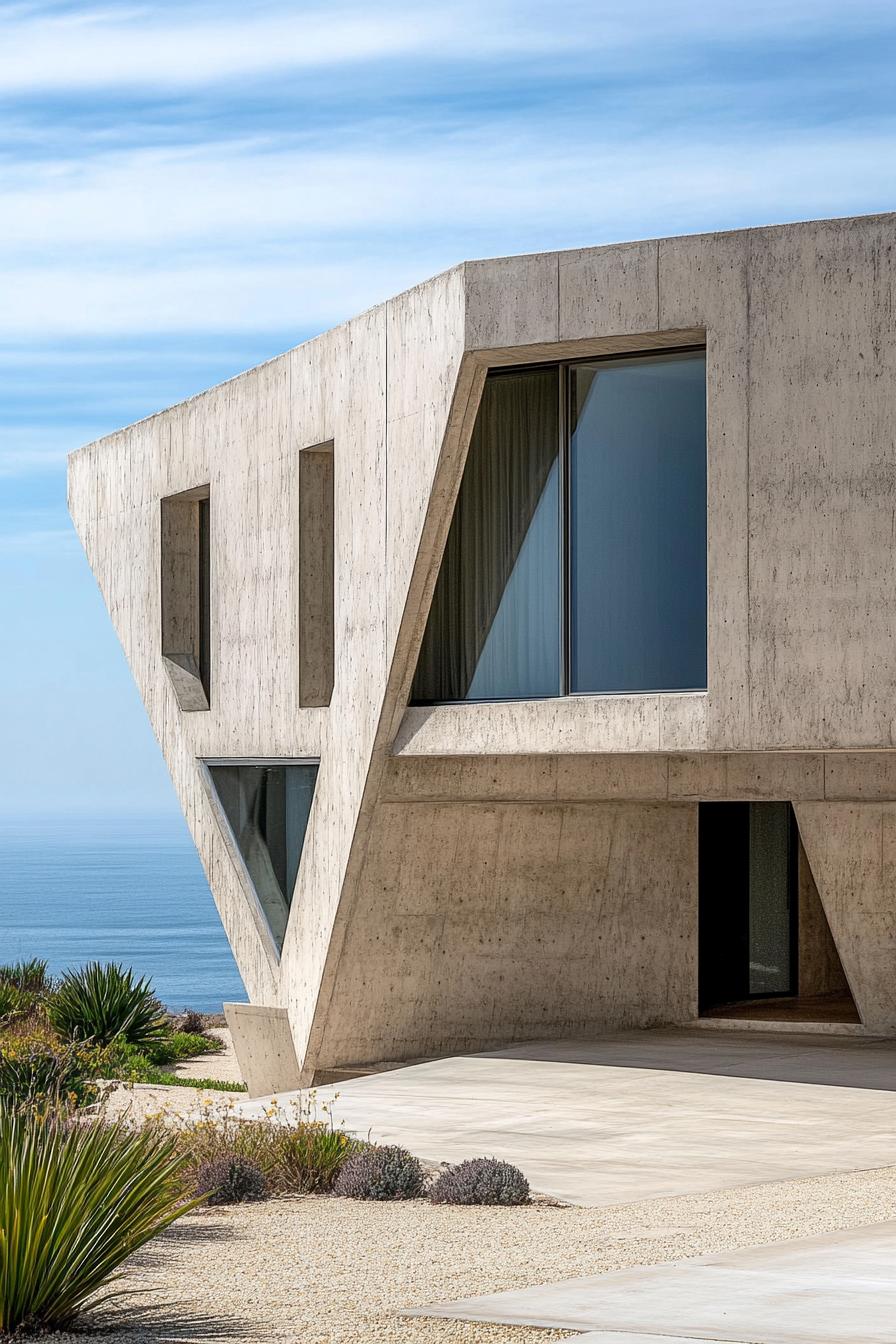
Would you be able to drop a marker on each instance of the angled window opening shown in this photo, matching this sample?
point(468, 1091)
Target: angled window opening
point(266, 805)
point(316, 525)
point(576, 558)
point(186, 596)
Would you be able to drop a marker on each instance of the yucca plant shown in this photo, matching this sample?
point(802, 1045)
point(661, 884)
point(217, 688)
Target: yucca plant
point(12, 1001)
point(31, 976)
point(76, 1199)
point(106, 1003)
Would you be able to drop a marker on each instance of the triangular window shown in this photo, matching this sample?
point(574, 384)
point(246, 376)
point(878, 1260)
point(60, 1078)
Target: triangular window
point(266, 805)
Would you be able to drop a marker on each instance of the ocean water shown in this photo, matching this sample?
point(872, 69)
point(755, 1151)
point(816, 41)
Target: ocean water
point(129, 890)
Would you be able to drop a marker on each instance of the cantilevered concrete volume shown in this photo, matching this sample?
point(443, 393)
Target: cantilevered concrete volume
point(523, 651)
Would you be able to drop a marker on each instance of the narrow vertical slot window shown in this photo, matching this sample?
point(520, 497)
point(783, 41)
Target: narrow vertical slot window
point(205, 597)
point(185, 578)
point(316, 570)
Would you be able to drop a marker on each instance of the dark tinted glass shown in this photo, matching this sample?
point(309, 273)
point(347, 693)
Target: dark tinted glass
point(749, 902)
point(770, 898)
point(638, 524)
point(267, 808)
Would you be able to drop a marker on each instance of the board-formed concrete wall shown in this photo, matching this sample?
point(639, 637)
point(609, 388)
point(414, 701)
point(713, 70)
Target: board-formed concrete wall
point(800, 330)
point(474, 921)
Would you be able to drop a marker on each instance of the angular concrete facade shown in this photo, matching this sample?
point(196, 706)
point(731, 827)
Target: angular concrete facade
point(481, 873)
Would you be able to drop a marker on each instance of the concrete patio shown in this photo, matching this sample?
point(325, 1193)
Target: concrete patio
point(834, 1289)
point(641, 1115)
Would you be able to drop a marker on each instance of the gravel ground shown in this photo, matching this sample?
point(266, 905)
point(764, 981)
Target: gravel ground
point(139, 1100)
point(328, 1271)
point(222, 1066)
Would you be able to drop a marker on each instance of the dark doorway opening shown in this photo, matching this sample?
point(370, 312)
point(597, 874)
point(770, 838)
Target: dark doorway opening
point(765, 948)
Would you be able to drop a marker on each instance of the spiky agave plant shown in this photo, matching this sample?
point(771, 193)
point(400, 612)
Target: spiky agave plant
point(76, 1199)
point(103, 1003)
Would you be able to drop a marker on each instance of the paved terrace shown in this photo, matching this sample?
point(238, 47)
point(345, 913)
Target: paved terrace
point(644, 1114)
point(834, 1289)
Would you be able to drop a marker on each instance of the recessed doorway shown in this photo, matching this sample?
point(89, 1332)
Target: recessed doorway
point(765, 949)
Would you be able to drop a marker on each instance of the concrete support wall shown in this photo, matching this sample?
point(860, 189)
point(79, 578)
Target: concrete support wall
point(264, 1048)
point(852, 850)
point(476, 924)
point(820, 968)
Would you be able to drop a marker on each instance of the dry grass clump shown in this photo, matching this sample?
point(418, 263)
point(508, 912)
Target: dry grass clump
point(298, 1149)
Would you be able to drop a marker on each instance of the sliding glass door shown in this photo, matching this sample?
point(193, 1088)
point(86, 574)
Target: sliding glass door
point(576, 557)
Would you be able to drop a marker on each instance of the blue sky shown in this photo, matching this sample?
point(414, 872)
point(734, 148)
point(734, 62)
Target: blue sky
point(186, 189)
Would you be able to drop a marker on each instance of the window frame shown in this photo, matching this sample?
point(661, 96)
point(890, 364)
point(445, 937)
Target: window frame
point(564, 395)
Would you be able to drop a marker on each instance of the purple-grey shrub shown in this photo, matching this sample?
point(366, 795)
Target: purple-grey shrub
point(381, 1173)
point(481, 1180)
point(231, 1180)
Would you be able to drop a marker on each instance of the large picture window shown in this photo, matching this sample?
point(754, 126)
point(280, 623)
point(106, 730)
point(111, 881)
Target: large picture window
point(576, 558)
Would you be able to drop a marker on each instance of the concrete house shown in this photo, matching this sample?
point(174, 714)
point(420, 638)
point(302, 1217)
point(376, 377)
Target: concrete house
point(523, 651)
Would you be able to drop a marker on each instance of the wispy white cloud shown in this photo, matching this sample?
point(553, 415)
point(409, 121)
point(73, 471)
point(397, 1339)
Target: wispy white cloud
point(31, 451)
point(82, 48)
point(38, 541)
point(247, 237)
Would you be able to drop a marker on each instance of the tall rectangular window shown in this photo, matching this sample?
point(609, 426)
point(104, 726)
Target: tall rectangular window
point(316, 591)
point(638, 524)
point(749, 902)
point(185, 575)
point(576, 557)
point(205, 597)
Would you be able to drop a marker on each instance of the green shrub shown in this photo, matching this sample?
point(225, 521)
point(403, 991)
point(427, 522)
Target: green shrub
point(38, 1070)
point(231, 1179)
point(135, 1064)
point(482, 1180)
point(105, 1003)
point(181, 1045)
point(31, 976)
point(163, 1079)
point(76, 1200)
point(13, 1001)
point(385, 1172)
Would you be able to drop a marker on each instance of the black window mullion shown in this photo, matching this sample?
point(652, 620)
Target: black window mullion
point(564, 557)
